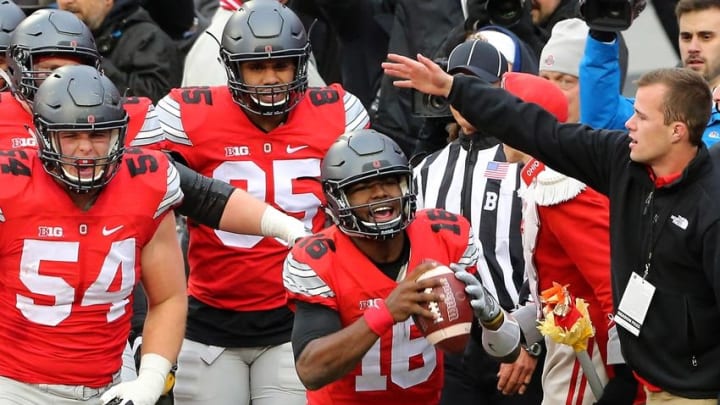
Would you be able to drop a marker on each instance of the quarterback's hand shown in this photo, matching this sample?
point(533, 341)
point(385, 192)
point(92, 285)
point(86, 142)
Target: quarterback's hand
point(146, 389)
point(484, 305)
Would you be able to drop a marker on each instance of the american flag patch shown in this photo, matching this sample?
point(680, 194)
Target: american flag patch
point(496, 170)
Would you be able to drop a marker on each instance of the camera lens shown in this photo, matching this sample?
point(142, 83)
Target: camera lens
point(436, 102)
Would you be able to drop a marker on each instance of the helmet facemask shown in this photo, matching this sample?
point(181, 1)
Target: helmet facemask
point(284, 96)
point(81, 174)
point(345, 215)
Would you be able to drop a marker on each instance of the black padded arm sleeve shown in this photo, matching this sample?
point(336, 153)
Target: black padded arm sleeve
point(312, 321)
point(205, 197)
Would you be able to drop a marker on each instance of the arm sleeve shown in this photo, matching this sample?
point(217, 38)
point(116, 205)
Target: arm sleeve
point(312, 321)
point(205, 198)
point(601, 104)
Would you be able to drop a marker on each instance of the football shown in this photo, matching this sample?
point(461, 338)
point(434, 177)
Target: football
point(450, 330)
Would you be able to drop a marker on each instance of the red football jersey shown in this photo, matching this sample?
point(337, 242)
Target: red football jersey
point(17, 127)
point(16, 124)
point(67, 275)
point(328, 269)
point(280, 167)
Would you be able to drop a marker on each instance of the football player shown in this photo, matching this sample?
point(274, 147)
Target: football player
point(46, 40)
point(82, 220)
point(354, 285)
point(264, 132)
point(10, 17)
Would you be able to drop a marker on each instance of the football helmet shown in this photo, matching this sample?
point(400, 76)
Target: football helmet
point(79, 98)
point(10, 17)
point(360, 156)
point(262, 30)
point(47, 32)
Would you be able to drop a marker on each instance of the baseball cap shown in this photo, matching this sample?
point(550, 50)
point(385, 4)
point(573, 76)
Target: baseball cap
point(478, 58)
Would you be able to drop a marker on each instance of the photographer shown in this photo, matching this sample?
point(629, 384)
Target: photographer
point(434, 134)
point(603, 104)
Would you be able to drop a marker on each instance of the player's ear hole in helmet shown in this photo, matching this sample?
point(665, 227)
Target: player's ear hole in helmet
point(261, 31)
point(47, 33)
point(73, 102)
point(360, 157)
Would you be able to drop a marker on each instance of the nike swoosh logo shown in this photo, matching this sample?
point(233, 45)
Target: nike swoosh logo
point(291, 149)
point(108, 232)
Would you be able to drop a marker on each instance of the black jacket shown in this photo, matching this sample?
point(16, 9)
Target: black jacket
point(137, 54)
point(679, 346)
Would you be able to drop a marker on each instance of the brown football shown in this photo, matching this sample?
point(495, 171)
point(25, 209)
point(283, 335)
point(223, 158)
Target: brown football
point(450, 330)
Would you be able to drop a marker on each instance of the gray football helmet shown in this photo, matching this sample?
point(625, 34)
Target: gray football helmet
point(79, 98)
point(47, 32)
point(360, 156)
point(10, 16)
point(261, 30)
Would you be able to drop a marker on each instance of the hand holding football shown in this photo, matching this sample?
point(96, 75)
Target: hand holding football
point(450, 330)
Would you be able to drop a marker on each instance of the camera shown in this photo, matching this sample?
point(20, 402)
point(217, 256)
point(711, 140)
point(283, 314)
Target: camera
point(429, 106)
point(609, 15)
point(505, 13)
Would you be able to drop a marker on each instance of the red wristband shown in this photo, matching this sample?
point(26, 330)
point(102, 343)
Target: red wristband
point(378, 318)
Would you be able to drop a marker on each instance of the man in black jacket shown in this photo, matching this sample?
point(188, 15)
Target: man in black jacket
point(664, 229)
point(137, 54)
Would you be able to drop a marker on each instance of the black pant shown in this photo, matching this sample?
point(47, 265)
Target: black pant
point(471, 379)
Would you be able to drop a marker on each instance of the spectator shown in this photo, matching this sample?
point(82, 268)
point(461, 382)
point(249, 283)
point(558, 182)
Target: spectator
point(203, 66)
point(663, 224)
point(10, 17)
point(137, 55)
point(67, 284)
point(699, 43)
point(419, 27)
point(460, 179)
point(237, 345)
point(373, 255)
point(560, 61)
point(560, 214)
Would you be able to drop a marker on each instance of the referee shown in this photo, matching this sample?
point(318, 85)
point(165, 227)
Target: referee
point(471, 177)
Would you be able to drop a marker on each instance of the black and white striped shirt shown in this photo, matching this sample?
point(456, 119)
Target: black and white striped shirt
point(464, 178)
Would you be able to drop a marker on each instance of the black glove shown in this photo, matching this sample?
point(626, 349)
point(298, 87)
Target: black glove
point(622, 389)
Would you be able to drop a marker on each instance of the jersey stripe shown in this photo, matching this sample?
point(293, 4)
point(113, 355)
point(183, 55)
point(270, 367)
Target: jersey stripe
point(355, 115)
point(173, 195)
point(168, 111)
point(299, 278)
point(491, 205)
point(151, 131)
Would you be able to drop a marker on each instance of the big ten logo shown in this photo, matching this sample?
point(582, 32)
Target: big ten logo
point(370, 303)
point(50, 232)
point(244, 150)
point(23, 142)
point(491, 200)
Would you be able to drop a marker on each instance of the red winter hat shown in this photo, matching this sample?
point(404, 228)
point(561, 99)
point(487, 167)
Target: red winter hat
point(534, 89)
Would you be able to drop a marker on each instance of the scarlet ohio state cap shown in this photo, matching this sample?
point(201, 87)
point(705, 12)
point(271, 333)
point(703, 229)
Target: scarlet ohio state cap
point(479, 58)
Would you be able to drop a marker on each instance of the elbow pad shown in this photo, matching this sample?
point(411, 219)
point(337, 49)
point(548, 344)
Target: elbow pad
point(205, 198)
point(504, 343)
